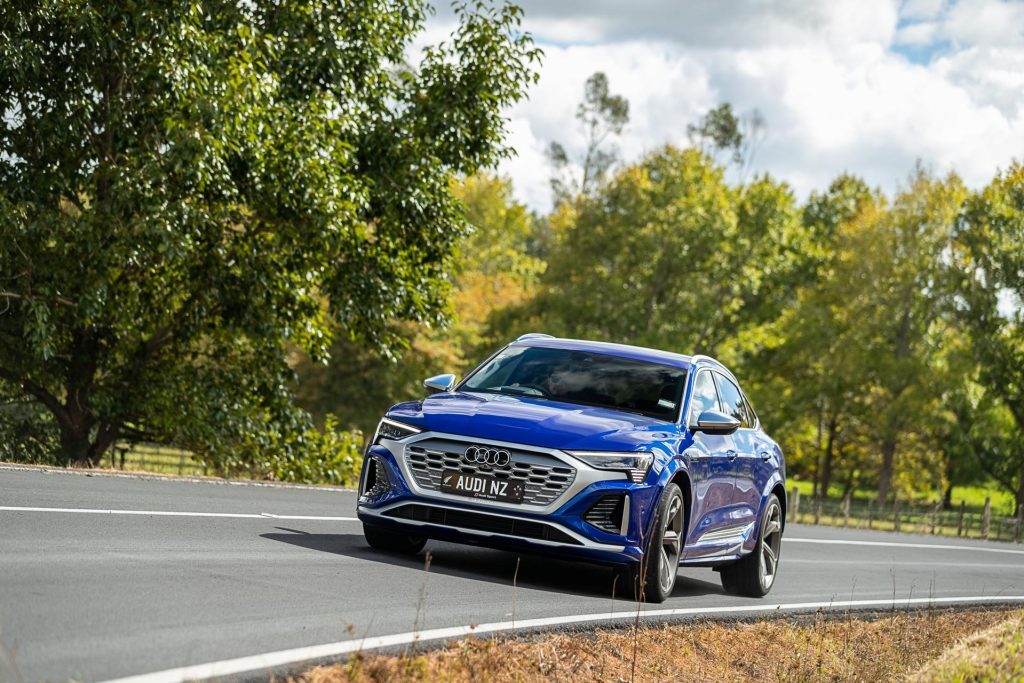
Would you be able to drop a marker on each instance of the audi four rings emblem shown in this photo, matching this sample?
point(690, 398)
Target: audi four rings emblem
point(482, 455)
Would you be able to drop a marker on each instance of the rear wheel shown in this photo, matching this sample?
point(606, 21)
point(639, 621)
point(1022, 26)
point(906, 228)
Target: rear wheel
point(653, 579)
point(754, 575)
point(393, 541)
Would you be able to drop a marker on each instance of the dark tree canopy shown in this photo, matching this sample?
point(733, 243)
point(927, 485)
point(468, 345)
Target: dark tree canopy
point(187, 188)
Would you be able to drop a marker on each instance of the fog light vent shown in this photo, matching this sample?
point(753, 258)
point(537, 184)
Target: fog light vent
point(376, 482)
point(606, 514)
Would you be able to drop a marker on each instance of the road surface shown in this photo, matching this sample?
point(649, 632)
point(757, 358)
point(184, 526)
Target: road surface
point(104, 577)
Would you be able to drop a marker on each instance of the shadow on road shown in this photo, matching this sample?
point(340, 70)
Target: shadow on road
point(483, 564)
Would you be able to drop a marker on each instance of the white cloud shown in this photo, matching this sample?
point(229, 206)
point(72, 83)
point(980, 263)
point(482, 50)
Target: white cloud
point(832, 78)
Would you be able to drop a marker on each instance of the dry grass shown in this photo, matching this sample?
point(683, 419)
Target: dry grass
point(996, 654)
point(810, 649)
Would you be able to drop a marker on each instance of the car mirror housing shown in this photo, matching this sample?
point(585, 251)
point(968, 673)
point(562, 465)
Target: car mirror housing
point(439, 383)
point(715, 422)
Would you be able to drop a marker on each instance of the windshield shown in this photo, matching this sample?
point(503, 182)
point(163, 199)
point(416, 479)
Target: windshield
point(585, 378)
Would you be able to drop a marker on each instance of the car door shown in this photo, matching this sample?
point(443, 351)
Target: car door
point(745, 466)
point(710, 471)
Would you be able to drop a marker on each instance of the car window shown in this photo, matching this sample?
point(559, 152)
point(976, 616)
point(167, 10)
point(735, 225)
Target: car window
point(751, 415)
point(583, 378)
point(705, 396)
point(732, 400)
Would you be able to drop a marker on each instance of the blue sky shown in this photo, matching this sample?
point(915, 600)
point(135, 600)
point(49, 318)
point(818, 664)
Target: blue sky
point(865, 86)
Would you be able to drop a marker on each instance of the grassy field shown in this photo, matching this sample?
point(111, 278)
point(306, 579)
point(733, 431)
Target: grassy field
point(155, 459)
point(885, 648)
point(973, 496)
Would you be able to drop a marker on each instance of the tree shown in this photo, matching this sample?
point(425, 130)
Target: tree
point(205, 185)
point(493, 272)
point(988, 270)
point(895, 265)
point(600, 115)
point(720, 130)
point(669, 255)
point(808, 357)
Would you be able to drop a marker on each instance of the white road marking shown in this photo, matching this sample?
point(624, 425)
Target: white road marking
point(280, 658)
point(172, 513)
point(894, 544)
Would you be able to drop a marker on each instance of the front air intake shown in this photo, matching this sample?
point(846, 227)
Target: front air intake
point(606, 514)
point(376, 481)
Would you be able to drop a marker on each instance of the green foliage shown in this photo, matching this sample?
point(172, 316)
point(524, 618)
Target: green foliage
point(669, 255)
point(494, 274)
point(210, 184)
point(988, 273)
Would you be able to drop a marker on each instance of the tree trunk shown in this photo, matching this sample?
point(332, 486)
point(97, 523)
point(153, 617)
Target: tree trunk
point(826, 470)
point(885, 474)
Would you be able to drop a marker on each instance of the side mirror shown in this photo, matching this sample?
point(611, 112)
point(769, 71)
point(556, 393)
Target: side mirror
point(440, 383)
point(715, 422)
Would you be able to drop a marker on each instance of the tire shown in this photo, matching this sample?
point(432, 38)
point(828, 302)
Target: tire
point(393, 541)
point(654, 577)
point(754, 575)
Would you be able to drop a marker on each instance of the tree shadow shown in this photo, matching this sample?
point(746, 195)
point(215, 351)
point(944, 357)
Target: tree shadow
point(538, 572)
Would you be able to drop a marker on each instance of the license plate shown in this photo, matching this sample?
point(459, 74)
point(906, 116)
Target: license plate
point(482, 486)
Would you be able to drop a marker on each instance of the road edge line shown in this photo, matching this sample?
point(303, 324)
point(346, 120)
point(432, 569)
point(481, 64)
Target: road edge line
point(280, 658)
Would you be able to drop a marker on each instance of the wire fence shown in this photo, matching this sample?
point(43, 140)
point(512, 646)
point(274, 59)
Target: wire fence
point(156, 459)
point(906, 516)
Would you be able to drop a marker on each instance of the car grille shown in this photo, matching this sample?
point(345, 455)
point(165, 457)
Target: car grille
point(463, 519)
point(546, 477)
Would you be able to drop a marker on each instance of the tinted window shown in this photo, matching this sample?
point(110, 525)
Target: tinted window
point(585, 378)
point(732, 400)
point(705, 396)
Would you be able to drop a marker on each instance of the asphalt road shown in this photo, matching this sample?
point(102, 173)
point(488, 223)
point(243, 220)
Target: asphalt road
point(91, 596)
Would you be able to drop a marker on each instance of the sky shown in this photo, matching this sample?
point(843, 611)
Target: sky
point(869, 87)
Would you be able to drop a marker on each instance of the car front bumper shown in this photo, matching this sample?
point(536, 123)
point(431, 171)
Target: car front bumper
point(560, 530)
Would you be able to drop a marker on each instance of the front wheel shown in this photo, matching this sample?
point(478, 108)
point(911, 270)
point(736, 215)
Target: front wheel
point(393, 541)
point(653, 579)
point(754, 575)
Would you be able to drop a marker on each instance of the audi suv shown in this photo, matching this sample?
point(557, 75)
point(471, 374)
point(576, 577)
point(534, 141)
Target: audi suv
point(640, 459)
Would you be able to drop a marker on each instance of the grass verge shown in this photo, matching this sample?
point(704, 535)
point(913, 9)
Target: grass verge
point(995, 654)
point(863, 648)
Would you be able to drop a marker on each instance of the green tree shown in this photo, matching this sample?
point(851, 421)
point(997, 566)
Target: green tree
point(493, 272)
point(669, 255)
point(807, 357)
point(988, 267)
point(187, 189)
point(601, 115)
point(721, 130)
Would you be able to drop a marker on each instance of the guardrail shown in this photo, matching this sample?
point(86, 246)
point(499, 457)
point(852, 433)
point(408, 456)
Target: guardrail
point(908, 516)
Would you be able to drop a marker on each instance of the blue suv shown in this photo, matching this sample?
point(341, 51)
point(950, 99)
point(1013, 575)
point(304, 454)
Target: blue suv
point(640, 459)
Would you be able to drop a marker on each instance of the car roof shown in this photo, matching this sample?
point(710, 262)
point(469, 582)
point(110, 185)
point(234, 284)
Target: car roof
point(642, 353)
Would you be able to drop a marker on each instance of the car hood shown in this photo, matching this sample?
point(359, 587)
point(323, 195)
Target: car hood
point(532, 421)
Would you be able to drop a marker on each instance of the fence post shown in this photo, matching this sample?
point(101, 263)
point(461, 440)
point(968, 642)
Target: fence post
point(181, 465)
point(871, 512)
point(846, 509)
point(986, 519)
point(817, 510)
point(960, 520)
point(935, 515)
point(896, 515)
point(794, 503)
point(1020, 523)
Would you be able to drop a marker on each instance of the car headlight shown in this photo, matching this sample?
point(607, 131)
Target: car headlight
point(393, 431)
point(634, 463)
